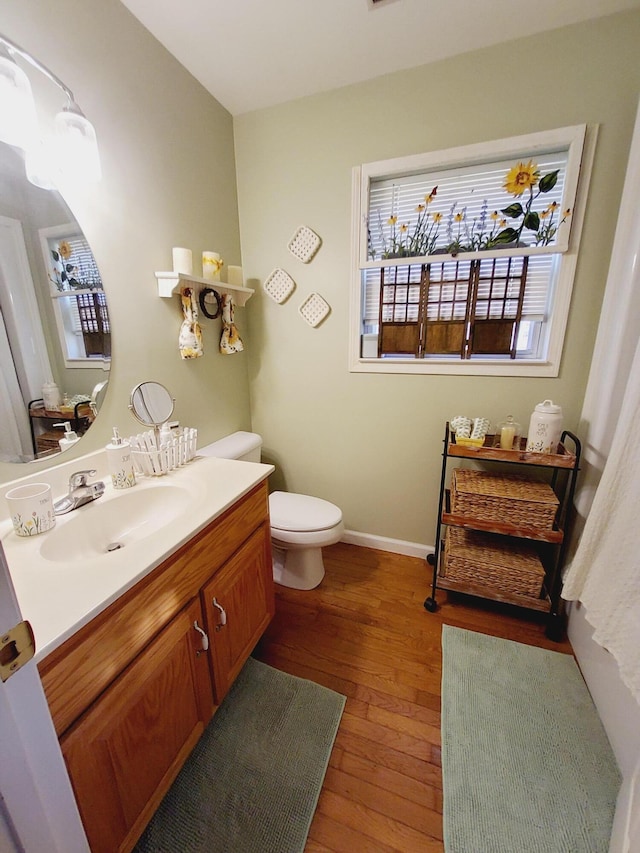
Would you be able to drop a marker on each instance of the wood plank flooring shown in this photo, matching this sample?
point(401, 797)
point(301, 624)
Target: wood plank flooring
point(365, 633)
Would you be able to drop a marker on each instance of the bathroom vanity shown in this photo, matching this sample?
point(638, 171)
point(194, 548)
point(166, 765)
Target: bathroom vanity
point(133, 681)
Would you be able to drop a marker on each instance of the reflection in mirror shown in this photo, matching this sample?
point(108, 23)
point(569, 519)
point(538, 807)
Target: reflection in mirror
point(151, 404)
point(53, 315)
point(97, 396)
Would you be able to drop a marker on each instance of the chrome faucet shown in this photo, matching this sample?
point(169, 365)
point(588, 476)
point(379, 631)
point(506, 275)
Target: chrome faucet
point(80, 492)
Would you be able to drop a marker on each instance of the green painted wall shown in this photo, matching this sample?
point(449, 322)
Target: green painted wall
point(372, 443)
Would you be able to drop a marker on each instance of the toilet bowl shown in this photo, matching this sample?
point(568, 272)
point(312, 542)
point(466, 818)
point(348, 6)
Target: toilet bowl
point(301, 525)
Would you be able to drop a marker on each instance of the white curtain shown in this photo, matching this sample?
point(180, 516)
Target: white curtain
point(605, 571)
point(15, 434)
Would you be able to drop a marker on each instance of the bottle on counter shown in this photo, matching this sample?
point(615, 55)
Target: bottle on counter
point(120, 462)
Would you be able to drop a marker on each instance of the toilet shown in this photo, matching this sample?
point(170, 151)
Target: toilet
point(301, 525)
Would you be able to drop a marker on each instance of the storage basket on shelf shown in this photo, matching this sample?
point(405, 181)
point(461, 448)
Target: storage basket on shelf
point(500, 497)
point(491, 560)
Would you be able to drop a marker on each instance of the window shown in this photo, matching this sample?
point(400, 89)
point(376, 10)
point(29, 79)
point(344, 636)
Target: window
point(464, 259)
point(79, 302)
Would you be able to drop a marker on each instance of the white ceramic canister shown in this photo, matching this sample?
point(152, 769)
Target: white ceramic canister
point(545, 428)
point(51, 396)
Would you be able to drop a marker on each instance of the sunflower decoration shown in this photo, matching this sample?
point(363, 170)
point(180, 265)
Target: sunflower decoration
point(520, 178)
point(64, 271)
point(524, 182)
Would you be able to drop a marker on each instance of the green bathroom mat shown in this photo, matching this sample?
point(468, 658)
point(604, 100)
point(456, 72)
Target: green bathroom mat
point(526, 763)
point(252, 783)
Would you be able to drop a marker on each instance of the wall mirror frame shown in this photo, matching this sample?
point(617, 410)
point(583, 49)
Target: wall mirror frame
point(53, 314)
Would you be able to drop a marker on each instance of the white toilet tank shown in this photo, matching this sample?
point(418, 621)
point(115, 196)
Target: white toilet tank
point(244, 446)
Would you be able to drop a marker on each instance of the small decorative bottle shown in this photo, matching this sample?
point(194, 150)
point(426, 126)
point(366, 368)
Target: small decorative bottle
point(120, 462)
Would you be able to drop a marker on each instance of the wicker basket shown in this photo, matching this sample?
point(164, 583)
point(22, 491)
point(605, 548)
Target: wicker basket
point(503, 498)
point(490, 560)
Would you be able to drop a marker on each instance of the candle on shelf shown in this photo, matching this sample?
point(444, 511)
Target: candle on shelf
point(211, 265)
point(234, 276)
point(509, 433)
point(182, 260)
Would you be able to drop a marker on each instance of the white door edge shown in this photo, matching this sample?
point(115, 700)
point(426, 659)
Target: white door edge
point(34, 783)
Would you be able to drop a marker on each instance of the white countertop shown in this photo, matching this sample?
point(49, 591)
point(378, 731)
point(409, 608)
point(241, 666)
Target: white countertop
point(58, 596)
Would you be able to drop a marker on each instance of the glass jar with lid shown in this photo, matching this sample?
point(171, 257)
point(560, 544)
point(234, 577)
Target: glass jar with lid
point(508, 434)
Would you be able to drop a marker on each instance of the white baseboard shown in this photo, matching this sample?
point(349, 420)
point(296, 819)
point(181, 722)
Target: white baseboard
point(383, 543)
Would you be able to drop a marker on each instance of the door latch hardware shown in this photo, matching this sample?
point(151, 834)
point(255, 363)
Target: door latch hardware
point(17, 647)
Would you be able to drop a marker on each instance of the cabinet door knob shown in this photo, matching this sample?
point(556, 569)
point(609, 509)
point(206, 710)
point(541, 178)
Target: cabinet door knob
point(223, 615)
point(205, 639)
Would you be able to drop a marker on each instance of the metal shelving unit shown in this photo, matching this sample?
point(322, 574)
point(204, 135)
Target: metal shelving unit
point(562, 468)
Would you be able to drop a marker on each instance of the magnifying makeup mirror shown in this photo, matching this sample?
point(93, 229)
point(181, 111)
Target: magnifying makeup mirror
point(151, 404)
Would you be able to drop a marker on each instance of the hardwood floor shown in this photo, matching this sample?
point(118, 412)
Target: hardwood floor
point(365, 633)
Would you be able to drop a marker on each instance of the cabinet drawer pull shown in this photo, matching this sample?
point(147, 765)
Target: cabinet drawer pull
point(223, 615)
point(205, 639)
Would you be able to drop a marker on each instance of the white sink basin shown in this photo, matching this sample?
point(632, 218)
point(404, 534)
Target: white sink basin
point(104, 527)
point(66, 576)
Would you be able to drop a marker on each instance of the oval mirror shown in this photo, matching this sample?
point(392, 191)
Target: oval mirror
point(151, 403)
point(54, 321)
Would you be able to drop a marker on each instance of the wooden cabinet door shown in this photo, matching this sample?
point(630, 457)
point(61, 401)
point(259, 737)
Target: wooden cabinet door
point(126, 750)
point(239, 604)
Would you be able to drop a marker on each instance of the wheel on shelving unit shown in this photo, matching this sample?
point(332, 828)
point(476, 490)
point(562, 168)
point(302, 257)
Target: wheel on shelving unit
point(431, 559)
point(431, 605)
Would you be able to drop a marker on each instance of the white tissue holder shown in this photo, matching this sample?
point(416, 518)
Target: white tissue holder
point(154, 461)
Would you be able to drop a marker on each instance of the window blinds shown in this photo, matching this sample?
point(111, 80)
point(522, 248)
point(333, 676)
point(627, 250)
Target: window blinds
point(472, 193)
point(465, 199)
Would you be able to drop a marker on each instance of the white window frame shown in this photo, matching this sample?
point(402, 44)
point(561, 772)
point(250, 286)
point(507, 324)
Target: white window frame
point(580, 140)
point(67, 345)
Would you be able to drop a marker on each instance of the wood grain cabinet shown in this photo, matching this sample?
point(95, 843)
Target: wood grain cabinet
point(132, 691)
point(128, 747)
point(238, 604)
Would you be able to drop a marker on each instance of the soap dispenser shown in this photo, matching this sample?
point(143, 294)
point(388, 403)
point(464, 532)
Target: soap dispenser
point(69, 438)
point(120, 462)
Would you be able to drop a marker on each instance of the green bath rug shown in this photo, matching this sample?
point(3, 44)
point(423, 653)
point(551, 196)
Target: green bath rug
point(526, 763)
point(252, 783)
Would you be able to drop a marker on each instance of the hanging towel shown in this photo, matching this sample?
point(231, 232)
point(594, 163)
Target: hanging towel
point(605, 571)
point(230, 340)
point(190, 338)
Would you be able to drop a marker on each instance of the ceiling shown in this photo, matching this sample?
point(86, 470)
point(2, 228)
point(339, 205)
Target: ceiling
point(251, 54)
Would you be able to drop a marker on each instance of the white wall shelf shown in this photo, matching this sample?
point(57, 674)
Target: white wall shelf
point(170, 283)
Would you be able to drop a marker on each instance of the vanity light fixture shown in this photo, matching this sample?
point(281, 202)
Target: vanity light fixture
point(73, 151)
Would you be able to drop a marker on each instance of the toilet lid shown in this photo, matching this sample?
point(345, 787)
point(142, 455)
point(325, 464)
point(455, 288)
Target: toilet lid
point(289, 511)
